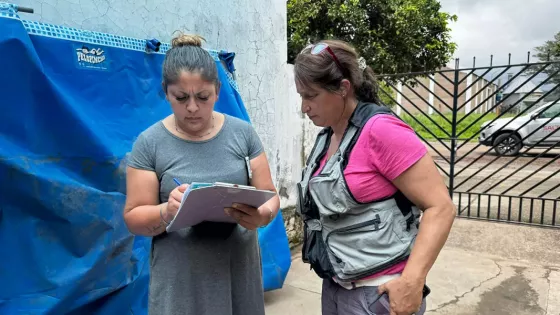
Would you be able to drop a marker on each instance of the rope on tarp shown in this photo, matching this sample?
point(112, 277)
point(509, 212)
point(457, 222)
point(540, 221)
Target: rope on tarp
point(24, 9)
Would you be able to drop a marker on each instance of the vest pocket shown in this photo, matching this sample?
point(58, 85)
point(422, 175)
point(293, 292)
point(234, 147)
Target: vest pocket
point(316, 254)
point(368, 247)
point(326, 192)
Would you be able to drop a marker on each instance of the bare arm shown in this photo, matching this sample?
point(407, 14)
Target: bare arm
point(253, 218)
point(142, 208)
point(262, 179)
point(424, 186)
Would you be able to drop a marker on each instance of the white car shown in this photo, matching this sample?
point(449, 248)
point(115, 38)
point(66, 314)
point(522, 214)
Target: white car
point(509, 135)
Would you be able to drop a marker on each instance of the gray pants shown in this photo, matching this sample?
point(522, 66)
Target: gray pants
point(336, 300)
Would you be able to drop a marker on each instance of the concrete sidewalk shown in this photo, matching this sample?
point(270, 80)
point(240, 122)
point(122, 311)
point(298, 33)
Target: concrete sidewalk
point(462, 281)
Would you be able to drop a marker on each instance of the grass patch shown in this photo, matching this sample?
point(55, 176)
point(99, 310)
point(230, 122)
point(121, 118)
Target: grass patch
point(467, 127)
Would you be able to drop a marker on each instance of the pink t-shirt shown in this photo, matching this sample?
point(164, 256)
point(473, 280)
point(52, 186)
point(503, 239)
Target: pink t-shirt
point(385, 149)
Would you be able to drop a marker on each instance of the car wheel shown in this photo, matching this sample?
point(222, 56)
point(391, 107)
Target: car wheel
point(508, 144)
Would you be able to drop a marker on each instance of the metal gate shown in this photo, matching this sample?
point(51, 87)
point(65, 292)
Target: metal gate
point(494, 133)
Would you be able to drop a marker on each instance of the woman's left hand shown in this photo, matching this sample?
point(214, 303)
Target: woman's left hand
point(405, 295)
point(249, 217)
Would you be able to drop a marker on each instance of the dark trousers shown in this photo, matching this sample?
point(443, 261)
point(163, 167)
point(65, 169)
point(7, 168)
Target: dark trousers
point(336, 300)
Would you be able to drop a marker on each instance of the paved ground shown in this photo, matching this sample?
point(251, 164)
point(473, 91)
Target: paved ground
point(486, 268)
point(472, 158)
point(461, 282)
point(533, 174)
point(490, 273)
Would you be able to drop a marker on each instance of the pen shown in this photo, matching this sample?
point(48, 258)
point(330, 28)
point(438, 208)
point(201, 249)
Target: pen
point(177, 181)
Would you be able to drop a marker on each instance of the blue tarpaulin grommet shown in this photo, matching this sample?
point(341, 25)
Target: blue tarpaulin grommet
point(152, 45)
point(227, 57)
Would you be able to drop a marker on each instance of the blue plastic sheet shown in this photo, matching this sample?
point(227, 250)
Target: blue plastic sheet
point(72, 103)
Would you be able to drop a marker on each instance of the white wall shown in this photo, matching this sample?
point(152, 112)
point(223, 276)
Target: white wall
point(255, 30)
point(297, 137)
point(289, 134)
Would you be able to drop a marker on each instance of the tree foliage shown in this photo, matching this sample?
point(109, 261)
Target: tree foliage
point(550, 51)
point(394, 36)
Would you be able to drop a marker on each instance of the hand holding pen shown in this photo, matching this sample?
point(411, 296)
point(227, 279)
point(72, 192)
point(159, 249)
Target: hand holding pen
point(174, 201)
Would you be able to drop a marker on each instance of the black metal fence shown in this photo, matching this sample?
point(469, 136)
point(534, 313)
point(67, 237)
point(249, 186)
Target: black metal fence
point(494, 133)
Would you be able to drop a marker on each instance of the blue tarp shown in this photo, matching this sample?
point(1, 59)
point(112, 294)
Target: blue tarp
point(71, 104)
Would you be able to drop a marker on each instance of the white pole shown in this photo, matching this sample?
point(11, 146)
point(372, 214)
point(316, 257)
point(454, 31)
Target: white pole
point(399, 98)
point(431, 95)
point(468, 95)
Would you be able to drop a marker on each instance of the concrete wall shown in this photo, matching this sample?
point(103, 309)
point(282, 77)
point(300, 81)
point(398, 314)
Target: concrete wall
point(296, 141)
point(255, 30)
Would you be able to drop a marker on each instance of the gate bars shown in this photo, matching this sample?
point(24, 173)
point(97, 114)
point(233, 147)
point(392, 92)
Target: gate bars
point(488, 180)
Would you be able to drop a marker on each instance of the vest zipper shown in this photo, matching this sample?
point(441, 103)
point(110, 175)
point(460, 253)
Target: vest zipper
point(402, 257)
point(375, 221)
point(399, 258)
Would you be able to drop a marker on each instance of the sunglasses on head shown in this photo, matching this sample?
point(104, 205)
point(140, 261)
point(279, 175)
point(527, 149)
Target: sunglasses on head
point(319, 48)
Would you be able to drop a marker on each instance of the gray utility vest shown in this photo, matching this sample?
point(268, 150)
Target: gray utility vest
point(343, 238)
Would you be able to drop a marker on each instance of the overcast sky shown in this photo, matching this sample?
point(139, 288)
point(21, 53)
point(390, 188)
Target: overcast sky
point(500, 27)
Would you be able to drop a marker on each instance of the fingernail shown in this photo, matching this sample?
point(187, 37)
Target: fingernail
point(235, 205)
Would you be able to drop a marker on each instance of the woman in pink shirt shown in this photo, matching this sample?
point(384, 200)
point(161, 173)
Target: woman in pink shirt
point(385, 165)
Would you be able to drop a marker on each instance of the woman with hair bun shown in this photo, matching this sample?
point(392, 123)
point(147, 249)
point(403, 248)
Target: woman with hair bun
point(364, 187)
point(211, 268)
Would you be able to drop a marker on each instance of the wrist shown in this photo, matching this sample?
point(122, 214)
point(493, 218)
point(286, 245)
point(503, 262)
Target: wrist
point(268, 216)
point(165, 214)
point(414, 276)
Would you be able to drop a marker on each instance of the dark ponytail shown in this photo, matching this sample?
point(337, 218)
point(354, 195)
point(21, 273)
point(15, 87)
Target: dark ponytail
point(368, 91)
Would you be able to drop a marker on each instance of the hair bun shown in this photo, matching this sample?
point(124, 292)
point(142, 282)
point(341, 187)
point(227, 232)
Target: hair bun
point(187, 40)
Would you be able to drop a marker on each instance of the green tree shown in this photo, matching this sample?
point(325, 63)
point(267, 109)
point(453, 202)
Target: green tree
point(394, 36)
point(550, 51)
point(389, 96)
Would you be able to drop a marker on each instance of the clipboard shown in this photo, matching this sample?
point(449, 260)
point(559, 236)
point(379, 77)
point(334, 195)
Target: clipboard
point(206, 202)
